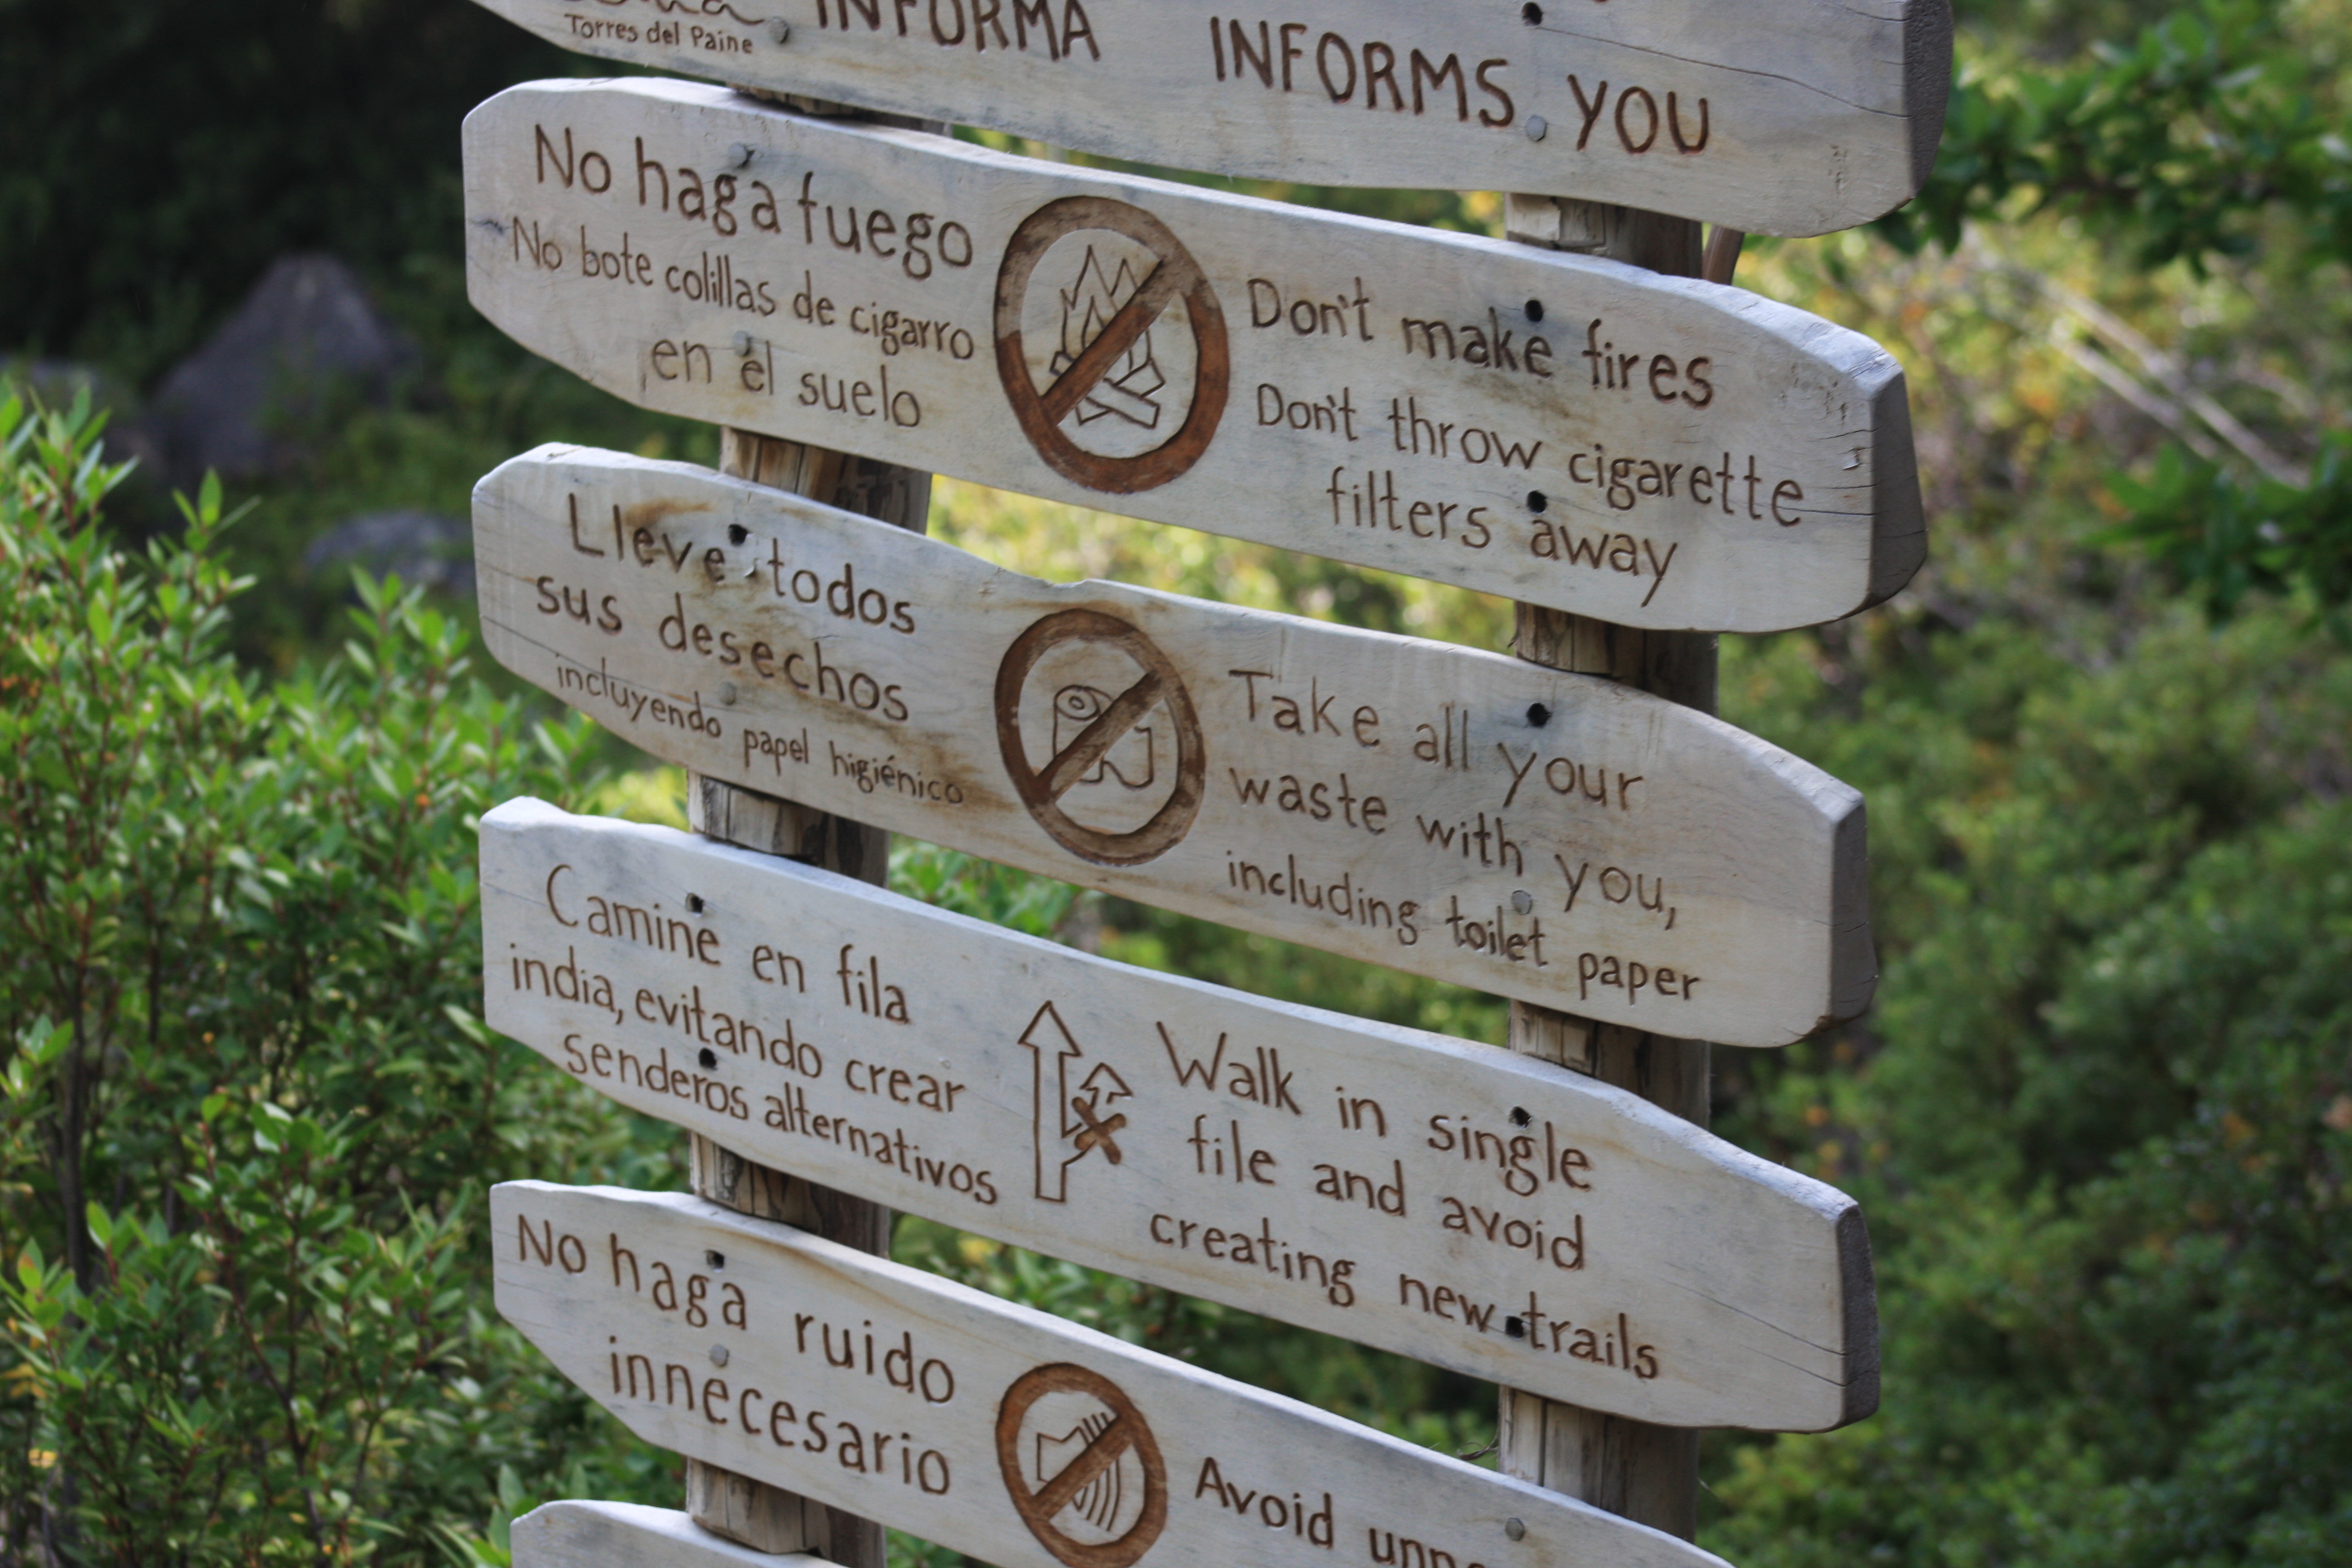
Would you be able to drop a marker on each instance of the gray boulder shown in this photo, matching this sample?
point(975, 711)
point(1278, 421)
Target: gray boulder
point(60, 381)
point(57, 382)
point(437, 552)
point(239, 405)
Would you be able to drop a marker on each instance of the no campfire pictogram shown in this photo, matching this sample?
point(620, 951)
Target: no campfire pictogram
point(1104, 366)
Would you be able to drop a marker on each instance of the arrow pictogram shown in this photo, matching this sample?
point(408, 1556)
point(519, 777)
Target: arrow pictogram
point(1059, 1117)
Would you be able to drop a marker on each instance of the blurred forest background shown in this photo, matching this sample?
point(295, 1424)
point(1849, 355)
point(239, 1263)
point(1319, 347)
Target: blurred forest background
point(2100, 1119)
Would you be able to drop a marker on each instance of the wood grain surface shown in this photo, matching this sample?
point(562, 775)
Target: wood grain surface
point(990, 1428)
point(631, 1535)
point(1776, 116)
point(1444, 811)
point(1508, 1218)
point(741, 1509)
point(1633, 1469)
point(1654, 451)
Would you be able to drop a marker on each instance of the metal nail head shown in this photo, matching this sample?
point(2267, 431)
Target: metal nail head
point(727, 695)
point(718, 1355)
point(1522, 901)
point(1515, 1530)
point(781, 32)
point(742, 346)
point(1537, 129)
point(738, 154)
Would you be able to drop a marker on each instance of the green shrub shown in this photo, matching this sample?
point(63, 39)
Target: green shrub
point(248, 1109)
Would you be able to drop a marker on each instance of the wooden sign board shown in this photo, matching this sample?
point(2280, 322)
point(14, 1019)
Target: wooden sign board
point(1492, 1213)
point(992, 1429)
point(1451, 813)
point(1652, 451)
point(1788, 117)
point(631, 1535)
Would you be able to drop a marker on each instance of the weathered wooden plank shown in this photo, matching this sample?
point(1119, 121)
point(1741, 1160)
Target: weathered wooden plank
point(1448, 812)
point(1327, 1170)
point(630, 1535)
point(988, 1427)
point(1656, 451)
point(1788, 117)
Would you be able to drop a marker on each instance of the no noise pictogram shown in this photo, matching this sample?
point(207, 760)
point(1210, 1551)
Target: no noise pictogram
point(1082, 1467)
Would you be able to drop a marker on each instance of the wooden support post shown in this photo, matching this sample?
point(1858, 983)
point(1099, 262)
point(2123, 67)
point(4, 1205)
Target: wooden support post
point(1645, 1473)
point(757, 1515)
point(767, 1518)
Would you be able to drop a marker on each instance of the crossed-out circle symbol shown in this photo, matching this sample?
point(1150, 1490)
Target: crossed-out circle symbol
point(1174, 274)
point(1125, 1431)
point(1042, 789)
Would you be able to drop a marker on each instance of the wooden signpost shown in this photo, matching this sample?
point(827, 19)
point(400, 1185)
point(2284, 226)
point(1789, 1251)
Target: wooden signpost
point(990, 1428)
point(1792, 117)
point(1500, 1217)
point(1654, 451)
point(1446, 811)
point(1637, 457)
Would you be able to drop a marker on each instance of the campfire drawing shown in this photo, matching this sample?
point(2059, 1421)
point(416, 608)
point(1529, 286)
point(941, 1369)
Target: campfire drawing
point(1129, 391)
